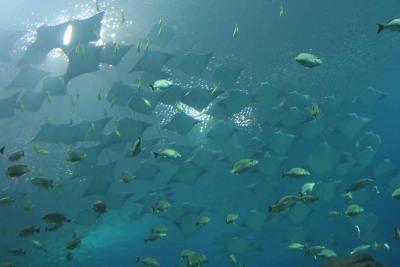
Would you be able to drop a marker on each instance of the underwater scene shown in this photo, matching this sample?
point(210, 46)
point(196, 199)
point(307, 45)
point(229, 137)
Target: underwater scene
point(199, 133)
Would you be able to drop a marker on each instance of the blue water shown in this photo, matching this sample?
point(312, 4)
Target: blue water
point(342, 33)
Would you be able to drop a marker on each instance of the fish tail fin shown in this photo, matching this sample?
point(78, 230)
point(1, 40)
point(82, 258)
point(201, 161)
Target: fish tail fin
point(156, 155)
point(2, 150)
point(380, 28)
point(151, 87)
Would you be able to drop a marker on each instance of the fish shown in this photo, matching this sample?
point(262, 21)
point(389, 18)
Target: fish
point(314, 250)
point(161, 206)
point(116, 49)
point(42, 182)
point(40, 150)
point(353, 210)
point(308, 60)
point(360, 260)
point(232, 259)
point(314, 110)
point(136, 147)
point(167, 153)
point(138, 48)
point(53, 227)
point(39, 245)
point(69, 256)
point(148, 261)
point(75, 156)
point(283, 204)
point(16, 155)
point(157, 232)
point(296, 246)
point(193, 258)
point(396, 194)
point(235, 31)
point(55, 218)
point(17, 252)
point(99, 207)
point(396, 233)
point(309, 199)
point(160, 85)
point(28, 231)
point(203, 220)
point(296, 173)
point(360, 248)
point(307, 188)
point(123, 19)
point(6, 201)
point(281, 10)
point(2, 149)
point(243, 165)
point(326, 253)
point(393, 25)
point(231, 218)
point(73, 243)
point(126, 177)
point(26, 205)
point(17, 171)
point(359, 184)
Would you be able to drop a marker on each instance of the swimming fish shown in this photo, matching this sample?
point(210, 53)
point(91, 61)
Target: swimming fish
point(393, 25)
point(17, 170)
point(296, 173)
point(281, 10)
point(99, 207)
point(235, 31)
point(308, 60)
point(243, 165)
point(28, 231)
point(16, 155)
point(167, 153)
point(37, 244)
point(160, 85)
